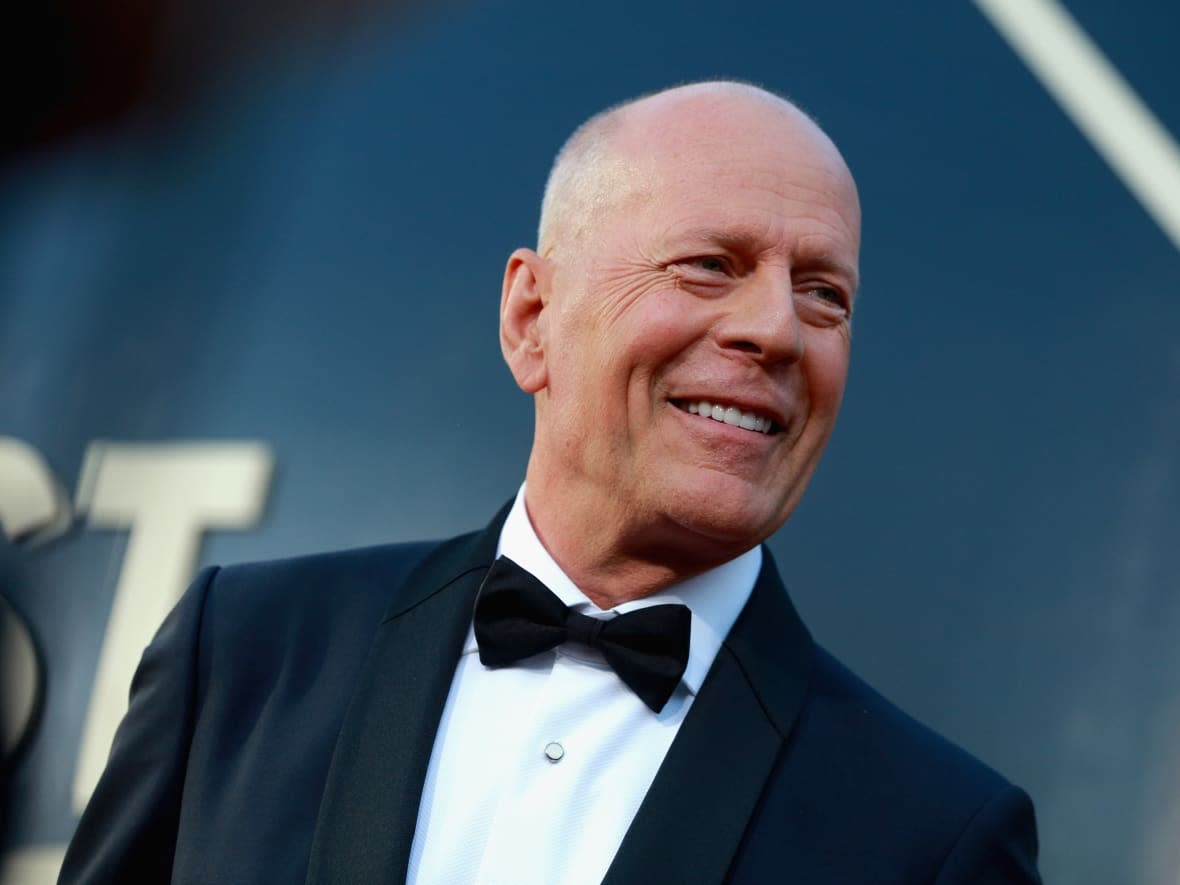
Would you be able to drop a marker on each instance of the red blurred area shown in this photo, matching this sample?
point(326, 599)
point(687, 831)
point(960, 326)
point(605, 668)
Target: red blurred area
point(79, 65)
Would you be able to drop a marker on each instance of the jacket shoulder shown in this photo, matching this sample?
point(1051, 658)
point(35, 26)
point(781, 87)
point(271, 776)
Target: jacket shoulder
point(897, 746)
point(378, 570)
point(285, 622)
point(871, 794)
point(318, 591)
point(280, 647)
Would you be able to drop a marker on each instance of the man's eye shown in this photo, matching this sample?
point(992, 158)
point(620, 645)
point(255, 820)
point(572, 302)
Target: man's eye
point(830, 294)
point(710, 263)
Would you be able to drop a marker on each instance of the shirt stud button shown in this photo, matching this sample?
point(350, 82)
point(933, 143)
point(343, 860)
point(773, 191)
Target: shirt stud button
point(554, 751)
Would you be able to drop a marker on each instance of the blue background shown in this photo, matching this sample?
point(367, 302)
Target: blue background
point(310, 256)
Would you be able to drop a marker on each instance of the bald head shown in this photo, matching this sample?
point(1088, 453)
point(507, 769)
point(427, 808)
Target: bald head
point(600, 165)
point(684, 332)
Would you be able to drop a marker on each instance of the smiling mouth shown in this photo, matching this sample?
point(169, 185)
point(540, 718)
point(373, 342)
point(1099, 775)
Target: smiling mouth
point(730, 415)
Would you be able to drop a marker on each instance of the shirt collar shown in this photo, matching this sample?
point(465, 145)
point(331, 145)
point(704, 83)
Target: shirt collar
point(716, 597)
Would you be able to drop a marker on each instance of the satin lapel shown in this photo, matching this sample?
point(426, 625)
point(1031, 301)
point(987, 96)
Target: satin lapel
point(691, 822)
point(370, 803)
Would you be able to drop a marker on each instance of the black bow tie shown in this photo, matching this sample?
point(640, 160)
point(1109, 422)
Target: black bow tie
point(517, 616)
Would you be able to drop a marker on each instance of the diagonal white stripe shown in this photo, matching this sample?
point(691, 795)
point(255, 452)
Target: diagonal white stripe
point(1098, 100)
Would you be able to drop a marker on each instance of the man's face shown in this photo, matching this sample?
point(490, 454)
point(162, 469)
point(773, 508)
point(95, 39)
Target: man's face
point(723, 281)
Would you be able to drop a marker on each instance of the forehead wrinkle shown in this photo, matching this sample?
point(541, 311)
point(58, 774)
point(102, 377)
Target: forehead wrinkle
point(820, 194)
point(761, 236)
point(743, 236)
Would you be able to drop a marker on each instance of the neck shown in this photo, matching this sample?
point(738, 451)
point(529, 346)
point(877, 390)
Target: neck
point(611, 560)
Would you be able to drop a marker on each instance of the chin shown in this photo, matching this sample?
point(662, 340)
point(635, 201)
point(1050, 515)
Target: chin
point(728, 524)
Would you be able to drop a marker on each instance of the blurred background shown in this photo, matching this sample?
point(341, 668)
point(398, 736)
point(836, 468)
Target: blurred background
point(250, 260)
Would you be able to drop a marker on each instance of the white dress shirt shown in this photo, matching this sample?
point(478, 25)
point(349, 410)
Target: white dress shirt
point(539, 768)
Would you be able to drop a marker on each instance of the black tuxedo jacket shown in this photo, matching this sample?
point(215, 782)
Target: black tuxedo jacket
point(282, 720)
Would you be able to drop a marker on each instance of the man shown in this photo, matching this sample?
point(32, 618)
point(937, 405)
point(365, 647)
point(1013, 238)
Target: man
point(684, 329)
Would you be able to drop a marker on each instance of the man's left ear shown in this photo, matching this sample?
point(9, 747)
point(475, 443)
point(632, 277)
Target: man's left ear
point(523, 298)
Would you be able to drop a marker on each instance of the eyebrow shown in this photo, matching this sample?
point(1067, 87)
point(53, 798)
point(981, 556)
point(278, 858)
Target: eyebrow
point(745, 238)
point(830, 264)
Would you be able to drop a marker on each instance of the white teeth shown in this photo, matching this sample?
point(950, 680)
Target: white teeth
point(731, 415)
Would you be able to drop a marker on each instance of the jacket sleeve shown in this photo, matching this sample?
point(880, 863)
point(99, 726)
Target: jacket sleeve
point(128, 831)
point(997, 847)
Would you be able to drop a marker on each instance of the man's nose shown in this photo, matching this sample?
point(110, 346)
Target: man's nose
point(761, 319)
